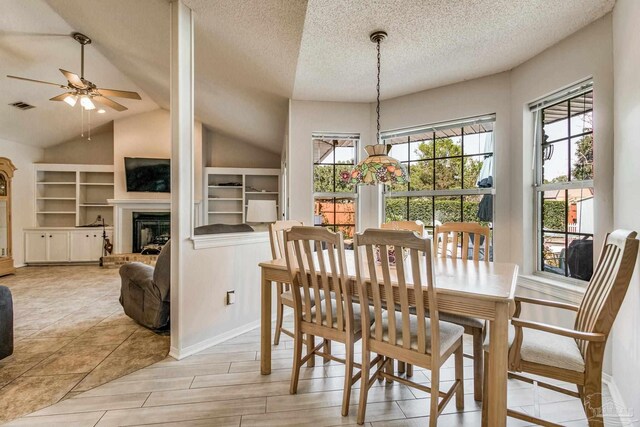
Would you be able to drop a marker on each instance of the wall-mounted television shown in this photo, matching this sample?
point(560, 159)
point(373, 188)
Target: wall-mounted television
point(148, 175)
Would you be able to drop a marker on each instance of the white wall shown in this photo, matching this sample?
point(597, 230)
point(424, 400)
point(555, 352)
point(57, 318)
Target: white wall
point(149, 135)
point(583, 54)
point(224, 151)
point(625, 341)
point(461, 100)
point(98, 151)
point(307, 117)
point(22, 208)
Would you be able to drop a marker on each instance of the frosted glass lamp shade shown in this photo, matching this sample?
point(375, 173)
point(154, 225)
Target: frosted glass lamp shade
point(262, 211)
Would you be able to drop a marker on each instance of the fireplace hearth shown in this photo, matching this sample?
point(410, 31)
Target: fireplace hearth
point(151, 230)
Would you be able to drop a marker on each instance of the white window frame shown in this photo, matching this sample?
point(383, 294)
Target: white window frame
point(338, 194)
point(488, 118)
point(536, 107)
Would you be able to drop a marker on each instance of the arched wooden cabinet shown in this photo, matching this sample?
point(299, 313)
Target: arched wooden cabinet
point(6, 258)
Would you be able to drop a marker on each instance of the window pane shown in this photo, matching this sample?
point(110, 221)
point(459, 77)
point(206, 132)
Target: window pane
point(554, 215)
point(421, 174)
point(555, 123)
point(395, 209)
point(448, 174)
point(448, 147)
point(324, 212)
point(323, 178)
point(582, 158)
point(345, 153)
point(553, 253)
point(400, 152)
point(472, 167)
point(478, 139)
point(555, 162)
point(421, 150)
point(582, 114)
point(580, 257)
point(448, 209)
point(322, 151)
point(421, 209)
point(580, 216)
point(478, 209)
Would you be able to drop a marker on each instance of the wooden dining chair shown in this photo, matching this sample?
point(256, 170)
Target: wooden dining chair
point(448, 238)
point(316, 263)
point(416, 226)
point(397, 333)
point(575, 355)
point(283, 292)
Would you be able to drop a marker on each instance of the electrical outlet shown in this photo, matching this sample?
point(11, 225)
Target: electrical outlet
point(231, 297)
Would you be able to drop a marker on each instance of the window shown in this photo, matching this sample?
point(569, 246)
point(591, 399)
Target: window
point(450, 168)
point(334, 156)
point(564, 183)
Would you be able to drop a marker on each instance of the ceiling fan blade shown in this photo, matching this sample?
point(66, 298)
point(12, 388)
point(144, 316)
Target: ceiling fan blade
point(74, 79)
point(37, 81)
point(109, 103)
point(119, 93)
point(60, 97)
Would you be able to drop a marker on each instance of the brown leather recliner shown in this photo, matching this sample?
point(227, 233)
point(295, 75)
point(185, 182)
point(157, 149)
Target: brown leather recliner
point(145, 291)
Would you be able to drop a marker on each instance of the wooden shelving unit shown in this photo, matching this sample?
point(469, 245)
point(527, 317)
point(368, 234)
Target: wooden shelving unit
point(227, 204)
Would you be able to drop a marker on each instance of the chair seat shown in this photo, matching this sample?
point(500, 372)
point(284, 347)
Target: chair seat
point(357, 323)
point(546, 348)
point(287, 298)
point(449, 332)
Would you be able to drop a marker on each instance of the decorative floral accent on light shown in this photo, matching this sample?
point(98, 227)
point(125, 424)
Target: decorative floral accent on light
point(379, 168)
point(345, 176)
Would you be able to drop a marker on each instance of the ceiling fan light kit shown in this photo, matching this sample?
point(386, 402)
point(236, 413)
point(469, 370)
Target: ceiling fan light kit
point(78, 88)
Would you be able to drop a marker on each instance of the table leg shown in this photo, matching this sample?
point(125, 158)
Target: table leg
point(497, 378)
point(265, 325)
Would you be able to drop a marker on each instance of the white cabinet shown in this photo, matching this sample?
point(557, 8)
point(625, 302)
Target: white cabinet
point(64, 245)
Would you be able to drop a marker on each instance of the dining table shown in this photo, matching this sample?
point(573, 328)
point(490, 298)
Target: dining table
point(479, 289)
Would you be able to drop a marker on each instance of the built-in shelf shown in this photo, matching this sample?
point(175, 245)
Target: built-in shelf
point(224, 213)
point(226, 198)
point(106, 184)
point(56, 198)
point(57, 213)
point(93, 205)
point(260, 192)
point(235, 187)
point(56, 183)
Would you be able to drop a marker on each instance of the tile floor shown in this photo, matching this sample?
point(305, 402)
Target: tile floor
point(71, 335)
point(222, 386)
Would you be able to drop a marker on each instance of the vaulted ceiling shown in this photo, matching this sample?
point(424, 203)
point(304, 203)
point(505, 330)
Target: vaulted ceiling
point(253, 55)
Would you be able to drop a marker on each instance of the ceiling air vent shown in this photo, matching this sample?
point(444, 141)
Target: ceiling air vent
point(22, 105)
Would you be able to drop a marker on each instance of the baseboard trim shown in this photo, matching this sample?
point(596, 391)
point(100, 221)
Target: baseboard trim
point(203, 345)
point(625, 416)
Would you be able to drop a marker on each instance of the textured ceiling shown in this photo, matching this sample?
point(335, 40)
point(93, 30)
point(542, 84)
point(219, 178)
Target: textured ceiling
point(245, 56)
point(431, 43)
point(34, 43)
point(253, 55)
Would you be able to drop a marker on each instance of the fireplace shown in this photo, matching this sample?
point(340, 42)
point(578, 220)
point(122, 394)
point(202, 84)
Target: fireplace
point(151, 230)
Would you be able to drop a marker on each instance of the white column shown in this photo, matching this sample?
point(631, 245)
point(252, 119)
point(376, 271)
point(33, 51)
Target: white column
point(182, 166)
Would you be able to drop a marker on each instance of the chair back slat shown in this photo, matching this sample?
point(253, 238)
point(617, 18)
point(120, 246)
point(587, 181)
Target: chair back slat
point(608, 285)
point(320, 272)
point(276, 236)
point(464, 231)
point(416, 267)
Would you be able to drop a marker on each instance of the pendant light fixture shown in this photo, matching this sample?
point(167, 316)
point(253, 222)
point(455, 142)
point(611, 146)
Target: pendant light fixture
point(379, 167)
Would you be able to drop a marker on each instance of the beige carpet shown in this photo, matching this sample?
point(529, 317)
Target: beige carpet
point(71, 335)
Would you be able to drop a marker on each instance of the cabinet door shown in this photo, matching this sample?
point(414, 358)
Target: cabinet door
point(58, 246)
point(80, 245)
point(35, 245)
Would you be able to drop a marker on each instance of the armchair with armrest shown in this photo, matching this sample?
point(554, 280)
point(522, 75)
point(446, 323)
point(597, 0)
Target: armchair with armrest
point(145, 291)
point(574, 355)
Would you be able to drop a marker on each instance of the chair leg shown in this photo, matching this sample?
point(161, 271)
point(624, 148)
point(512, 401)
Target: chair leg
point(327, 349)
point(459, 361)
point(348, 375)
point(435, 396)
point(402, 367)
point(279, 314)
point(297, 358)
point(364, 389)
point(311, 343)
point(478, 365)
point(380, 362)
point(409, 370)
point(485, 390)
point(592, 402)
point(390, 369)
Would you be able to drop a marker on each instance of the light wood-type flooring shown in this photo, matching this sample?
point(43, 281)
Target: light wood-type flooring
point(70, 335)
point(222, 386)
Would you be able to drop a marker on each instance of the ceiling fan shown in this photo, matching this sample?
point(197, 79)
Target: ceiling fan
point(80, 89)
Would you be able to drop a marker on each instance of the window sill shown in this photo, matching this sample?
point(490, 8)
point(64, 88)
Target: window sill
point(569, 292)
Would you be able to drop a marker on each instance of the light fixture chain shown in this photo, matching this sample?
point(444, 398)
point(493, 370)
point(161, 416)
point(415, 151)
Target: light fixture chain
point(378, 96)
